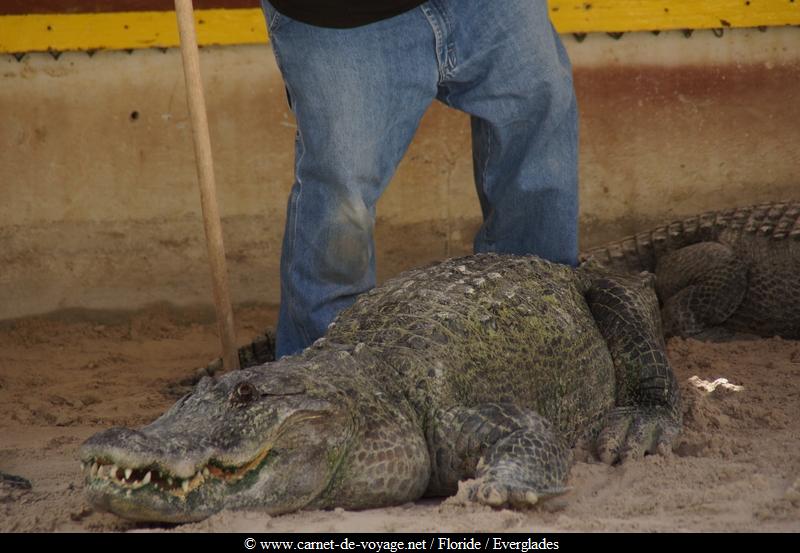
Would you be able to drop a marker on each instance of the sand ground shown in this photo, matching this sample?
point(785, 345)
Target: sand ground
point(736, 467)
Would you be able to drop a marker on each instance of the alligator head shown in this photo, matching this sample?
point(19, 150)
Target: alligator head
point(269, 437)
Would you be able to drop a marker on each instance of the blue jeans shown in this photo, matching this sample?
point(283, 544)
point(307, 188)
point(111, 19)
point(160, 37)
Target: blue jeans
point(358, 96)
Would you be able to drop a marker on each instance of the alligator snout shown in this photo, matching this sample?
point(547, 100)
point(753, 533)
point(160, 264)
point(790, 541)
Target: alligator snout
point(117, 437)
point(134, 449)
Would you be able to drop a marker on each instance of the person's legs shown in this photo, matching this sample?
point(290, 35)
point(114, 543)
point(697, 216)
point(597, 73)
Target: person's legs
point(504, 64)
point(358, 95)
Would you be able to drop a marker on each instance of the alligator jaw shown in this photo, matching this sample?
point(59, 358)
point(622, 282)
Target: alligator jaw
point(127, 478)
point(116, 488)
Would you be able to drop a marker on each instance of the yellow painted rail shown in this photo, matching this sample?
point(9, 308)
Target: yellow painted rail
point(125, 30)
point(570, 16)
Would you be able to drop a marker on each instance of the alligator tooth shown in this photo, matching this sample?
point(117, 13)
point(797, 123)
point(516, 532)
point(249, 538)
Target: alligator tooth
point(185, 486)
point(113, 472)
point(146, 479)
point(83, 467)
point(205, 472)
point(169, 481)
point(94, 470)
point(101, 471)
point(128, 473)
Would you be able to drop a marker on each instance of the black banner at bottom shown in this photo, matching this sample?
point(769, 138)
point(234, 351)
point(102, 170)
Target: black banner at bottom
point(385, 542)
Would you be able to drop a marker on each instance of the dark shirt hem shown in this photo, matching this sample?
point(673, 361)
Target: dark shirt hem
point(343, 15)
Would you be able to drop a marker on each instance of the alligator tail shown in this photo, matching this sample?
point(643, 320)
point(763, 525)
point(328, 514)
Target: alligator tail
point(640, 252)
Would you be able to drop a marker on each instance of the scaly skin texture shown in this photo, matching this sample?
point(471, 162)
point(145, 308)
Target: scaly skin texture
point(480, 372)
point(735, 269)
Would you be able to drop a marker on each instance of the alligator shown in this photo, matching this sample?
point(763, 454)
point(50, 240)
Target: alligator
point(734, 270)
point(477, 376)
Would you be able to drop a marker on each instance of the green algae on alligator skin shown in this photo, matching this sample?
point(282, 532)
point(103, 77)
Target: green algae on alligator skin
point(480, 373)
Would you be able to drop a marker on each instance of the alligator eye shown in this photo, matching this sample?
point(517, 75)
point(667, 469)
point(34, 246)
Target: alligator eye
point(244, 393)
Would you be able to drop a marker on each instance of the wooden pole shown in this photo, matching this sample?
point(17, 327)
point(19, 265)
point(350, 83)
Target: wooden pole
point(205, 175)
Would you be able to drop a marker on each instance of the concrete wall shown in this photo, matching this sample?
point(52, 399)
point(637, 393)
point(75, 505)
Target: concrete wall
point(99, 208)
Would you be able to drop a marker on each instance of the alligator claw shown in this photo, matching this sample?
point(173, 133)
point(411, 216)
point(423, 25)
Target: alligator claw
point(496, 494)
point(633, 432)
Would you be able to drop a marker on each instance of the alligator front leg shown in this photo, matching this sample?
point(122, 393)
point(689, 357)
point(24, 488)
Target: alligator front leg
point(648, 414)
point(501, 453)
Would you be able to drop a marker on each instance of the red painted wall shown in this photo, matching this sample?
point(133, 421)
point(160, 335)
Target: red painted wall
point(16, 7)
